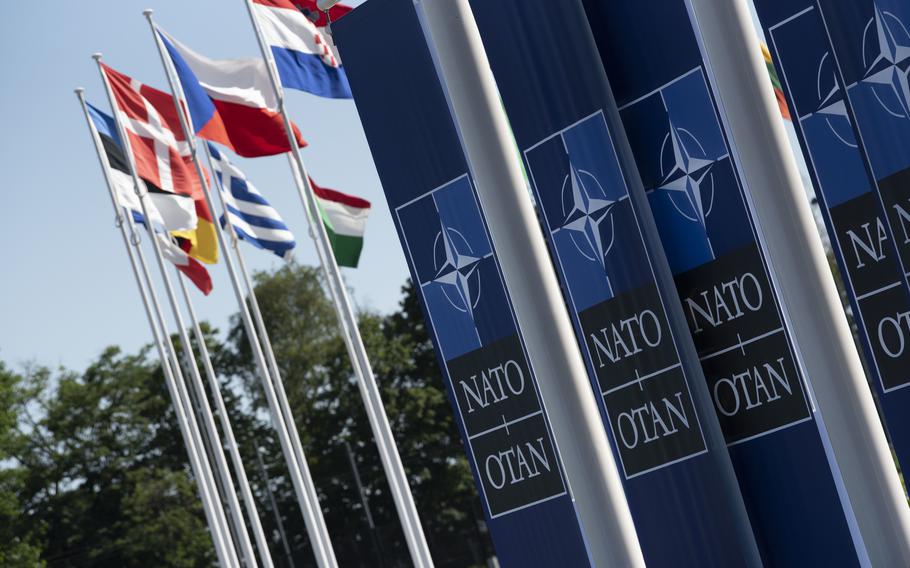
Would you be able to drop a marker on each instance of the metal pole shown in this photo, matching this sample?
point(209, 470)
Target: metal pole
point(143, 200)
point(268, 489)
point(274, 372)
point(325, 555)
point(217, 448)
point(233, 449)
point(528, 271)
point(820, 329)
point(365, 503)
point(388, 451)
point(169, 364)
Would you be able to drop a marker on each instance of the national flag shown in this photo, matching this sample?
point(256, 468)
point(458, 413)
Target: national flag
point(345, 219)
point(253, 219)
point(177, 253)
point(306, 58)
point(311, 10)
point(230, 101)
point(162, 153)
point(172, 211)
point(775, 82)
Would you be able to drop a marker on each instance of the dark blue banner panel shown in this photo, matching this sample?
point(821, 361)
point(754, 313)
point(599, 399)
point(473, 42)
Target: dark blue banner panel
point(441, 225)
point(660, 82)
point(559, 106)
point(844, 70)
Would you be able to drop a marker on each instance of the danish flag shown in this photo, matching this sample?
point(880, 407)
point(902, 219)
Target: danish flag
point(161, 152)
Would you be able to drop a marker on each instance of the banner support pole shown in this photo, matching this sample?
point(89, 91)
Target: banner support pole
point(553, 350)
point(820, 329)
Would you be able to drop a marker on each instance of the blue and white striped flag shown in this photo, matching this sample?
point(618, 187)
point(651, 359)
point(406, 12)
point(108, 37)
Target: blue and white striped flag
point(254, 220)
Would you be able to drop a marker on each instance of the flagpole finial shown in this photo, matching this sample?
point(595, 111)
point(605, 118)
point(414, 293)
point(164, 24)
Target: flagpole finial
point(79, 91)
point(148, 12)
point(96, 56)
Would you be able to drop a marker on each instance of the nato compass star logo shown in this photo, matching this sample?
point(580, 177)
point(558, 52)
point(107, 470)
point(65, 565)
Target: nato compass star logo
point(687, 178)
point(588, 215)
point(886, 57)
point(831, 104)
point(456, 269)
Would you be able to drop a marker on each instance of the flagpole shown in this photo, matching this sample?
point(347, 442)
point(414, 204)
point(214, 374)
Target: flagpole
point(233, 449)
point(268, 489)
point(388, 451)
point(157, 327)
point(322, 549)
point(821, 331)
point(266, 344)
point(232, 559)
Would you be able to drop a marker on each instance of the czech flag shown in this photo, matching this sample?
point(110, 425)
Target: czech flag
point(230, 101)
point(306, 58)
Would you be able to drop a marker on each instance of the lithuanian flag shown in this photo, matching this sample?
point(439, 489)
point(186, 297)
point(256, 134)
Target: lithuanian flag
point(778, 91)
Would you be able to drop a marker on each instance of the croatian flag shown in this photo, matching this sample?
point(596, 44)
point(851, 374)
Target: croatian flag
point(230, 101)
point(311, 9)
point(306, 58)
point(253, 219)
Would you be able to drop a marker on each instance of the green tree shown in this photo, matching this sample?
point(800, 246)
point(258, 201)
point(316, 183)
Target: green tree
point(18, 542)
point(328, 409)
point(106, 471)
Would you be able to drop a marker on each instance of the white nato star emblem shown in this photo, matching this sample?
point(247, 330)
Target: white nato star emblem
point(585, 216)
point(687, 176)
point(456, 269)
point(891, 66)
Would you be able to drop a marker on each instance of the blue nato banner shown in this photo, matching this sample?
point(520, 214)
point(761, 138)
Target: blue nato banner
point(660, 82)
point(844, 70)
point(558, 104)
point(493, 390)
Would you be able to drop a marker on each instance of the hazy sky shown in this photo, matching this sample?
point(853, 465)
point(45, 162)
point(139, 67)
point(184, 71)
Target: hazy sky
point(67, 290)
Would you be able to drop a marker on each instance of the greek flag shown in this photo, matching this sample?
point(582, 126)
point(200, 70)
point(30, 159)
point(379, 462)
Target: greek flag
point(254, 220)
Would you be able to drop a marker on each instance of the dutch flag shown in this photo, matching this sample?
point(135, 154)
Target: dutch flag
point(253, 219)
point(306, 58)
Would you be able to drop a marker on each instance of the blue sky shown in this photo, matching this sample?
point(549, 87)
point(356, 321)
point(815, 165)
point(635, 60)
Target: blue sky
point(67, 290)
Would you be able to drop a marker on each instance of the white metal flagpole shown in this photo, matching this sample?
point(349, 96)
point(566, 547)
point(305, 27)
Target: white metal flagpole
point(231, 559)
point(266, 344)
point(388, 450)
point(299, 472)
point(820, 328)
point(233, 450)
point(489, 147)
point(168, 363)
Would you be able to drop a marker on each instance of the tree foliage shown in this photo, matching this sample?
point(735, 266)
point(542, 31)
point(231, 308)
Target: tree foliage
point(93, 471)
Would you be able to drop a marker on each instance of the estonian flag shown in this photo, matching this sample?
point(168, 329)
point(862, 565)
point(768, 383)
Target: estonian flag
point(171, 211)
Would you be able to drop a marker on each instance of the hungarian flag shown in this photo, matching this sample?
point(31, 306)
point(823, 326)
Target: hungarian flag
point(775, 81)
point(230, 101)
point(162, 153)
point(175, 251)
point(306, 58)
point(345, 220)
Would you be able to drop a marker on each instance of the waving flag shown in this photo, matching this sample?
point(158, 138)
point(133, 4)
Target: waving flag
point(306, 59)
point(172, 211)
point(162, 153)
point(176, 253)
point(253, 219)
point(775, 82)
point(230, 101)
point(311, 10)
point(345, 220)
